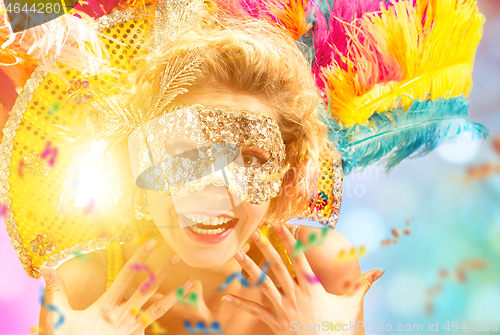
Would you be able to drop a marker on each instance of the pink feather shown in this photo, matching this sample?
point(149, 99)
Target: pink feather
point(334, 41)
point(98, 8)
point(344, 42)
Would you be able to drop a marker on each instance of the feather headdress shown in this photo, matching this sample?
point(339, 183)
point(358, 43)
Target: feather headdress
point(390, 90)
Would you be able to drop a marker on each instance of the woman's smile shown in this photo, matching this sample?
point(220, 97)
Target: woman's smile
point(207, 228)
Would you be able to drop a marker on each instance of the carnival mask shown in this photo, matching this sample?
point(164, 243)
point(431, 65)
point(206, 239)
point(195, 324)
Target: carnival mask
point(190, 147)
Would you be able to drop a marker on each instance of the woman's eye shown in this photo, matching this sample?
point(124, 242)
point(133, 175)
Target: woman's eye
point(186, 153)
point(251, 159)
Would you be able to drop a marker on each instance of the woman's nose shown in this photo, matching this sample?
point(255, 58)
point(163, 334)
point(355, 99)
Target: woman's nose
point(212, 199)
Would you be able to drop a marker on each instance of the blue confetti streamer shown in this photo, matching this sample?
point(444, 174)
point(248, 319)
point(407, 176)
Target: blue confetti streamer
point(243, 280)
point(201, 327)
point(52, 308)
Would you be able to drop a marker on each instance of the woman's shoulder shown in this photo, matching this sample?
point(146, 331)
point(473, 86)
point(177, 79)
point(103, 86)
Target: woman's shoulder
point(337, 275)
point(84, 278)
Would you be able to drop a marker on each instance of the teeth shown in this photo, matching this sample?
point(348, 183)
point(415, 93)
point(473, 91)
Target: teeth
point(206, 231)
point(205, 220)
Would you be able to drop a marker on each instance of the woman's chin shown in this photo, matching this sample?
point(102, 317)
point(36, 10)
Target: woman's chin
point(206, 261)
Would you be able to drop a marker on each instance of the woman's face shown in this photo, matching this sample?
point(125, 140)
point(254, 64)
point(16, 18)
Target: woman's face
point(206, 228)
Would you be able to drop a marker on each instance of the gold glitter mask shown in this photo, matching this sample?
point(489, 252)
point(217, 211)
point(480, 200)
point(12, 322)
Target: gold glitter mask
point(190, 147)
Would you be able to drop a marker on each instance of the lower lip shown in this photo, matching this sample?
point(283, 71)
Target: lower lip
point(210, 239)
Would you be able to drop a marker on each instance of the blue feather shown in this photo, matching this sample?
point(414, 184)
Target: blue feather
point(394, 135)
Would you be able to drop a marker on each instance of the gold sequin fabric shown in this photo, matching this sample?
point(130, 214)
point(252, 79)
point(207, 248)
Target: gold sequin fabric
point(38, 192)
point(206, 128)
point(30, 186)
point(325, 206)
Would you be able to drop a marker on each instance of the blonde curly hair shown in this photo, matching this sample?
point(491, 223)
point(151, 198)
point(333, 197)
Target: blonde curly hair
point(240, 55)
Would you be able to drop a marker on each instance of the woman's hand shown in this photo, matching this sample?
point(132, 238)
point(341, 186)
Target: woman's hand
point(110, 314)
point(303, 302)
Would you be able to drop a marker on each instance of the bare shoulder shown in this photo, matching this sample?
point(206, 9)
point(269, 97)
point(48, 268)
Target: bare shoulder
point(336, 277)
point(84, 279)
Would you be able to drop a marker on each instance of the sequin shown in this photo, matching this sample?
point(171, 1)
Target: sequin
point(80, 86)
point(219, 133)
point(42, 244)
point(29, 128)
point(325, 206)
point(35, 164)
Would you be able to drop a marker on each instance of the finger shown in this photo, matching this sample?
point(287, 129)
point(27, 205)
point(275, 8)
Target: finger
point(253, 308)
point(299, 260)
point(122, 282)
point(55, 290)
point(54, 299)
point(160, 307)
point(142, 295)
point(265, 283)
point(276, 264)
point(364, 283)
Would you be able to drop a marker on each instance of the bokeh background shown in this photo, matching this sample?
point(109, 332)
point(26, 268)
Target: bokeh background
point(446, 269)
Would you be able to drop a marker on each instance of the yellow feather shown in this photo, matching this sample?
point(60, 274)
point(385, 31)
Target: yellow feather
point(436, 53)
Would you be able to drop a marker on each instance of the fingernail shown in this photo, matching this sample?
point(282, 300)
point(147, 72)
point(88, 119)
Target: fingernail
point(239, 256)
point(175, 259)
point(187, 285)
point(277, 229)
point(151, 245)
point(47, 275)
point(377, 275)
point(227, 299)
point(256, 235)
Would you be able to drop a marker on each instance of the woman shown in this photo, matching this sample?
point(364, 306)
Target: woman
point(255, 72)
point(213, 138)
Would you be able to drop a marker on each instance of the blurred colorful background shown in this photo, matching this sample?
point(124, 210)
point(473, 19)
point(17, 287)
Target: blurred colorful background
point(445, 269)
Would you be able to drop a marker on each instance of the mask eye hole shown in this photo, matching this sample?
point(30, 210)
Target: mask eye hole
point(181, 147)
point(252, 157)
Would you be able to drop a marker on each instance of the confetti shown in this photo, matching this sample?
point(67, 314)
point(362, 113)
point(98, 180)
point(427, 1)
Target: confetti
point(312, 241)
point(487, 169)
point(201, 327)
point(244, 282)
point(143, 267)
point(313, 279)
point(20, 168)
point(443, 274)
point(155, 326)
point(192, 299)
point(3, 210)
point(345, 256)
point(54, 108)
point(52, 308)
point(81, 256)
point(49, 151)
point(36, 330)
point(496, 145)
point(396, 232)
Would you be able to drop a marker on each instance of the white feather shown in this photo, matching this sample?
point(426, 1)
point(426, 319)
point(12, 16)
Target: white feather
point(68, 39)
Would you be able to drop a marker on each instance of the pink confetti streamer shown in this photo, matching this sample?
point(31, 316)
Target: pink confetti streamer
point(3, 210)
point(313, 279)
point(144, 267)
point(49, 151)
